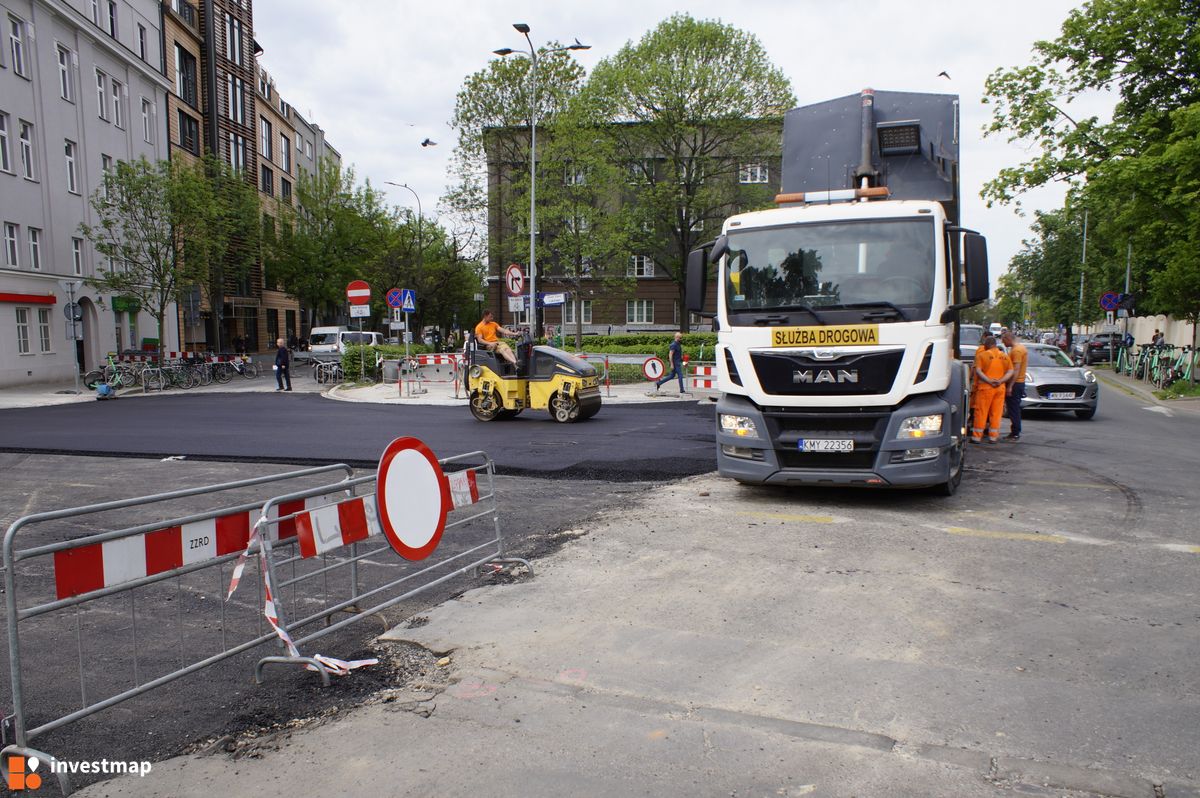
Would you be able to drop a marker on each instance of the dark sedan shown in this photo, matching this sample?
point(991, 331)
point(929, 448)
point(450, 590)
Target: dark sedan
point(1053, 382)
point(1100, 348)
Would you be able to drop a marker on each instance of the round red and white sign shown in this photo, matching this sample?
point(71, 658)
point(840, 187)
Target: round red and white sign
point(653, 368)
point(358, 292)
point(514, 280)
point(413, 496)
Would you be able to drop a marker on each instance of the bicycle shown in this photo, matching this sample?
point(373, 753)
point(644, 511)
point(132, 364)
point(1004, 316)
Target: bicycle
point(115, 375)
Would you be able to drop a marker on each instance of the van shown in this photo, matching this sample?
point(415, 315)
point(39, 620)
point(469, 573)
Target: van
point(995, 328)
point(324, 340)
point(355, 338)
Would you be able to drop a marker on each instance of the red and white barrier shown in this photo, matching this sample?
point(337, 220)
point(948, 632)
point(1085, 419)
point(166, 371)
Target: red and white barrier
point(705, 377)
point(115, 562)
point(337, 525)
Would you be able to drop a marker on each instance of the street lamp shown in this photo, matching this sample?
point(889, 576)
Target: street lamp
point(523, 29)
point(420, 249)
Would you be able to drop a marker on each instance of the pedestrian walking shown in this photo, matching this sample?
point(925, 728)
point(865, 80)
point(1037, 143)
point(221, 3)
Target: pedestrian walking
point(1014, 389)
point(283, 371)
point(992, 372)
point(675, 355)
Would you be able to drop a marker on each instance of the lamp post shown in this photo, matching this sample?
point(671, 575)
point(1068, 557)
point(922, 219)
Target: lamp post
point(420, 250)
point(523, 29)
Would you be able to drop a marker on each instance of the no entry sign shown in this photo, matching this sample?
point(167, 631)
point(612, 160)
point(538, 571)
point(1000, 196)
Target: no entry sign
point(358, 292)
point(653, 368)
point(413, 496)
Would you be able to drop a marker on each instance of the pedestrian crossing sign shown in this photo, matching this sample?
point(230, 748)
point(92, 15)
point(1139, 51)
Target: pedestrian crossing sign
point(408, 300)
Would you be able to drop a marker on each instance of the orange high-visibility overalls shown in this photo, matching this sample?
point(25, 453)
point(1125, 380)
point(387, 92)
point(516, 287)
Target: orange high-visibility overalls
point(988, 401)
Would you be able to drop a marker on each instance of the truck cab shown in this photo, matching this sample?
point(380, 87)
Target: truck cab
point(837, 310)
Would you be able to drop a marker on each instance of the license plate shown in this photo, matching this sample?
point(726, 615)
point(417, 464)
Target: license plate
point(826, 445)
point(1062, 395)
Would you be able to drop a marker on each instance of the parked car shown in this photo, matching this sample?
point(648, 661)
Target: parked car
point(1096, 348)
point(970, 336)
point(1054, 382)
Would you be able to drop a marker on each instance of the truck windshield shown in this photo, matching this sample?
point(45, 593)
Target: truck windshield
point(868, 266)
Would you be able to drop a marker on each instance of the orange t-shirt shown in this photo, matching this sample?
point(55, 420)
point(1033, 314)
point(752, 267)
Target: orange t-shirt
point(486, 331)
point(992, 362)
point(1020, 361)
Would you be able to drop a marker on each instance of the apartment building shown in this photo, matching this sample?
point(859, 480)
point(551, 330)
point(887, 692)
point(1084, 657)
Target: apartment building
point(81, 87)
point(648, 299)
point(223, 100)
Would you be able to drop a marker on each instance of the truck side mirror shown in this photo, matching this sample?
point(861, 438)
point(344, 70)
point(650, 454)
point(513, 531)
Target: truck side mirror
point(975, 264)
point(697, 279)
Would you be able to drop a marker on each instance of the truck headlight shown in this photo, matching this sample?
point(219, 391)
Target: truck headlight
point(740, 426)
point(1089, 376)
point(920, 426)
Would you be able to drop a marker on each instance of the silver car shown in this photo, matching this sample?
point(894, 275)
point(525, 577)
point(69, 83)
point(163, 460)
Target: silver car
point(1054, 382)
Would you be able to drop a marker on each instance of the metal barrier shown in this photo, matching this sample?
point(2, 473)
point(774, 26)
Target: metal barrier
point(295, 535)
point(414, 373)
point(327, 371)
point(704, 376)
point(304, 542)
point(95, 568)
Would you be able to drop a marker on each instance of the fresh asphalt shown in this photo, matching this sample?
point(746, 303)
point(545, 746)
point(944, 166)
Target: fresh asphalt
point(630, 442)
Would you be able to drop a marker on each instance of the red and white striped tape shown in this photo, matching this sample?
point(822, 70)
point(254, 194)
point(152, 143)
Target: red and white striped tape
point(704, 377)
point(706, 371)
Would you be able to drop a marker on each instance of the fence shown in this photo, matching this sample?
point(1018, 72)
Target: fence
point(414, 373)
point(135, 599)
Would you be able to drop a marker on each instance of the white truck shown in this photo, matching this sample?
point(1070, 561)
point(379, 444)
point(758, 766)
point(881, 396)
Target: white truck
point(837, 311)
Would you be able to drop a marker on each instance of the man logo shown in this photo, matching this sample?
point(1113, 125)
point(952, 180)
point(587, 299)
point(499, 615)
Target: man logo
point(825, 376)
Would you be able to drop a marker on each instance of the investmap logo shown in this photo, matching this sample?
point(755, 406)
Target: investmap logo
point(23, 771)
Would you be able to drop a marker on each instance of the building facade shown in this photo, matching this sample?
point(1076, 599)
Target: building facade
point(81, 87)
point(635, 291)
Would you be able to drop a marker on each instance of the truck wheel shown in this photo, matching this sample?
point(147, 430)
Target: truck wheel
point(565, 409)
point(485, 407)
point(950, 486)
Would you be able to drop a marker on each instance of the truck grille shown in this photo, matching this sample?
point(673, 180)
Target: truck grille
point(797, 374)
point(864, 426)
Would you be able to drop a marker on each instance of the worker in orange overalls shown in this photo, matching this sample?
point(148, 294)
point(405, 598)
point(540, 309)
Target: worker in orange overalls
point(992, 372)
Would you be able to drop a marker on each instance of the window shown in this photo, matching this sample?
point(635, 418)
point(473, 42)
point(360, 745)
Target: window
point(106, 167)
point(12, 251)
point(641, 170)
point(233, 40)
point(264, 138)
point(142, 41)
point(574, 176)
point(66, 86)
point(185, 75)
point(5, 163)
point(77, 255)
point(264, 83)
point(753, 173)
point(189, 133)
point(35, 249)
point(96, 12)
point(147, 121)
point(285, 190)
point(27, 150)
point(639, 311)
point(16, 45)
point(568, 312)
point(640, 266)
point(112, 18)
point(236, 97)
point(118, 107)
point(299, 144)
point(267, 184)
point(22, 331)
point(72, 182)
point(285, 153)
point(102, 94)
point(44, 329)
point(307, 148)
point(133, 334)
point(237, 151)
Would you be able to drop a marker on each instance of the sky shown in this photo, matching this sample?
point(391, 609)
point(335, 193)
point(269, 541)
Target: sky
point(380, 76)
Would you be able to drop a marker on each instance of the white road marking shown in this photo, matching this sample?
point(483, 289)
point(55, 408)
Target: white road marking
point(1158, 409)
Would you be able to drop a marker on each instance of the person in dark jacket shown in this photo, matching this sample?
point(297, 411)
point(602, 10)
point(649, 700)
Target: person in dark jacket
point(283, 373)
point(676, 357)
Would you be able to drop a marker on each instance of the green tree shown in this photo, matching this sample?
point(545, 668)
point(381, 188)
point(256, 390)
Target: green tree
point(688, 106)
point(149, 220)
point(327, 238)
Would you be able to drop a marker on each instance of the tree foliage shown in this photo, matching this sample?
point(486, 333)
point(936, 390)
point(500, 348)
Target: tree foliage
point(685, 107)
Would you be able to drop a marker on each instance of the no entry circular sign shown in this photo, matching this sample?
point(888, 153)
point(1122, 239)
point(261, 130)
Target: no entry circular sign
point(413, 496)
